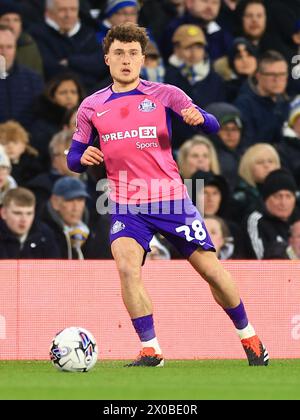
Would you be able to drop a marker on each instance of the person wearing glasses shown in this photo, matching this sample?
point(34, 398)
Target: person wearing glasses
point(263, 102)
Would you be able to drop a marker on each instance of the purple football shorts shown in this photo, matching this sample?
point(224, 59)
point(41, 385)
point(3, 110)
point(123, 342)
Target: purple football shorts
point(179, 221)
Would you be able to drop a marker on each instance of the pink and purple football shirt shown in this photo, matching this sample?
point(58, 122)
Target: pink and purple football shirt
point(134, 130)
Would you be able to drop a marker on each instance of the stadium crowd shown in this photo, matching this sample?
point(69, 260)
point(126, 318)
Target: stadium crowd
point(237, 59)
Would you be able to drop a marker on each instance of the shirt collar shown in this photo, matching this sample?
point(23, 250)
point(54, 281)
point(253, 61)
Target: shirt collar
point(55, 26)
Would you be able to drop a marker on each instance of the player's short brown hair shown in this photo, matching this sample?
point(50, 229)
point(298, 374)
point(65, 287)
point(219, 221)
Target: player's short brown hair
point(20, 196)
point(126, 32)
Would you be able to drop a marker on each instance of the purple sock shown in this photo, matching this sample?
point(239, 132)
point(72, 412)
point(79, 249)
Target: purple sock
point(144, 327)
point(238, 316)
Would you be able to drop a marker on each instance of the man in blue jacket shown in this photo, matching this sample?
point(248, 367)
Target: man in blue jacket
point(67, 44)
point(19, 85)
point(264, 104)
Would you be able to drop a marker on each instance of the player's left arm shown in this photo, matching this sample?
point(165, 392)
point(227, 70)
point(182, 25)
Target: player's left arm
point(191, 113)
point(196, 116)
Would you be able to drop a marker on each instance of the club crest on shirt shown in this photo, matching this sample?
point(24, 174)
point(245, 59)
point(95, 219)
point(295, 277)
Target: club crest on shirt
point(147, 106)
point(117, 227)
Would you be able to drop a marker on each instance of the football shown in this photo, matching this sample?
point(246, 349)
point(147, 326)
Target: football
point(74, 349)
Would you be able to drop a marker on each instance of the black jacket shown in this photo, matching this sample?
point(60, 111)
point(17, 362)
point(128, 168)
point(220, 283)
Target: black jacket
point(246, 199)
point(264, 231)
point(262, 116)
point(81, 50)
point(48, 121)
point(42, 186)
point(40, 243)
point(17, 94)
point(27, 168)
point(289, 152)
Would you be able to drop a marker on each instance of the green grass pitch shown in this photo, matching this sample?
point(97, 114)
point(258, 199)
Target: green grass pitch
point(178, 380)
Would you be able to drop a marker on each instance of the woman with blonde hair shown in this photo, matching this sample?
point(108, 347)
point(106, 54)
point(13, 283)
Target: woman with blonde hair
point(23, 157)
point(256, 163)
point(197, 153)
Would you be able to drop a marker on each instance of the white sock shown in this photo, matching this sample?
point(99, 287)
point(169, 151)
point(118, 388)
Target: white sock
point(152, 343)
point(246, 332)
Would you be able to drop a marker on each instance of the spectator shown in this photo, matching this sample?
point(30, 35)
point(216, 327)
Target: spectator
point(264, 105)
point(256, 163)
point(266, 229)
point(164, 11)
point(229, 140)
point(7, 182)
point(115, 13)
point(21, 236)
point(195, 154)
point(24, 158)
point(42, 184)
point(293, 250)
point(253, 22)
point(204, 14)
point(282, 16)
point(21, 85)
point(27, 53)
point(190, 67)
point(237, 67)
point(68, 45)
point(153, 68)
point(34, 10)
point(221, 236)
point(64, 214)
point(69, 121)
point(290, 250)
point(227, 16)
point(289, 147)
point(62, 93)
point(211, 195)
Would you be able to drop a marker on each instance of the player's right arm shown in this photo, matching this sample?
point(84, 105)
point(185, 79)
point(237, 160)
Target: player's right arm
point(91, 156)
point(82, 154)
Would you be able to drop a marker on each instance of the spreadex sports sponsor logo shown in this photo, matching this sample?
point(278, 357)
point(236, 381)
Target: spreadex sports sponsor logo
point(141, 132)
point(142, 146)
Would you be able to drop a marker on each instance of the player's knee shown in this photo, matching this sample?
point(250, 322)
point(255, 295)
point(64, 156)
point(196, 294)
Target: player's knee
point(215, 274)
point(128, 270)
